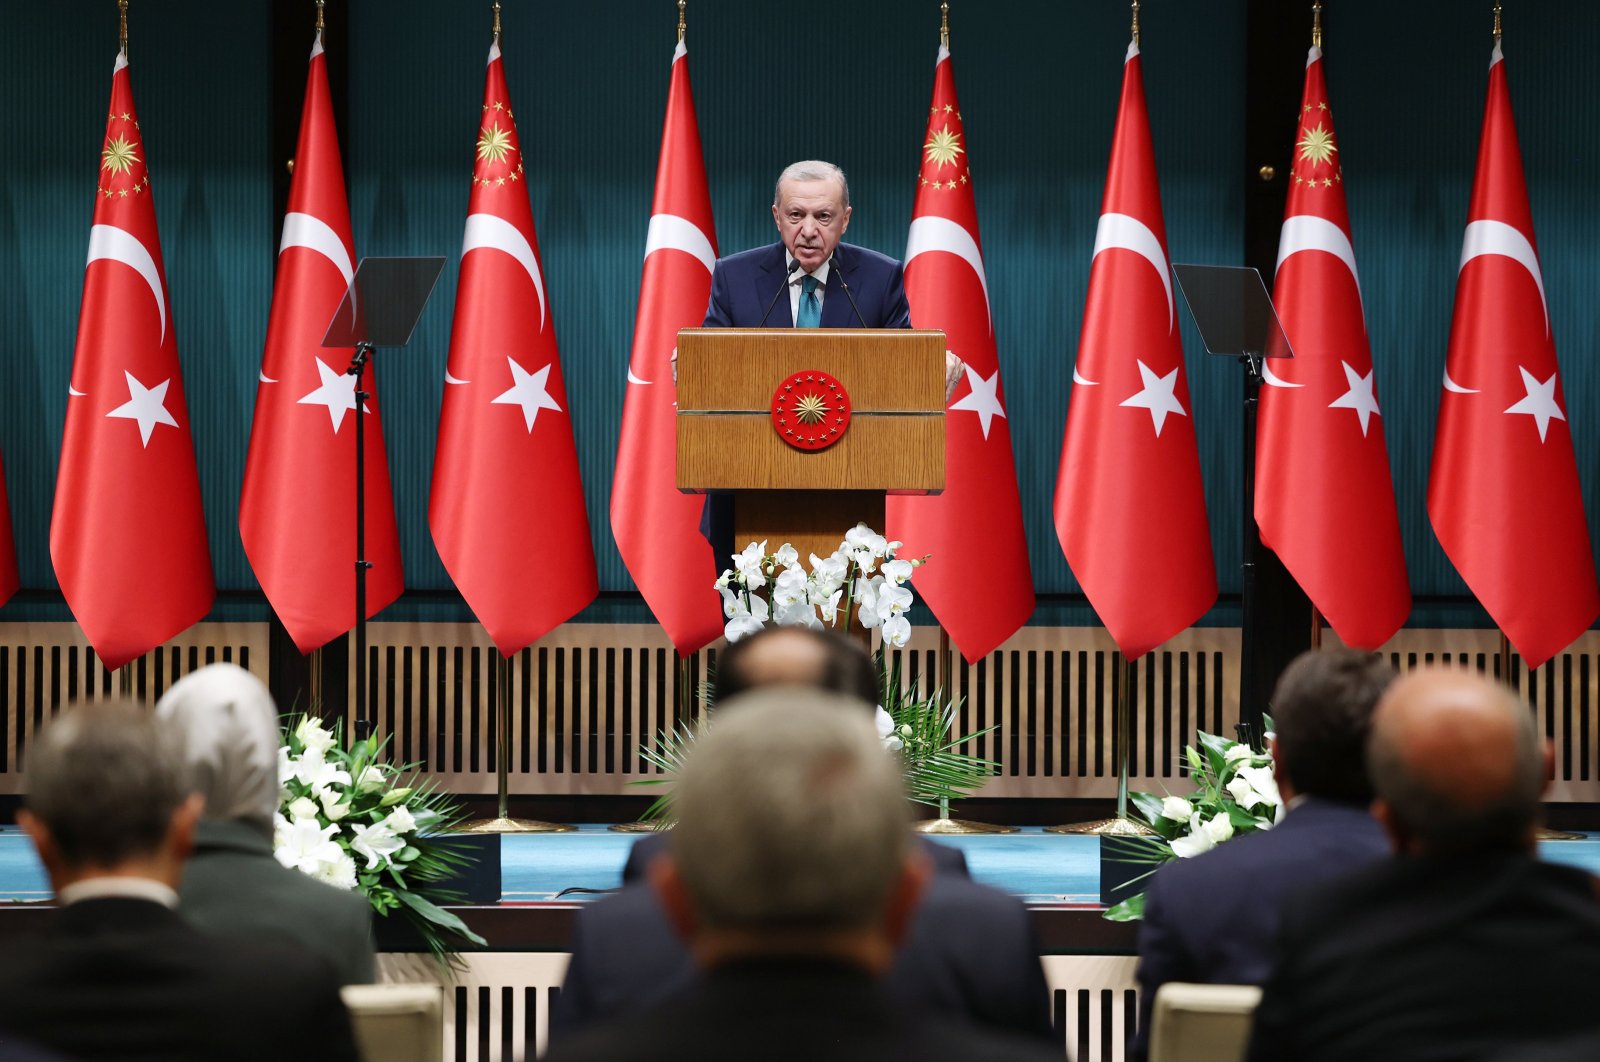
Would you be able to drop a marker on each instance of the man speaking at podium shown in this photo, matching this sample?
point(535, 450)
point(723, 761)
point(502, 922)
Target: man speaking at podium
point(829, 284)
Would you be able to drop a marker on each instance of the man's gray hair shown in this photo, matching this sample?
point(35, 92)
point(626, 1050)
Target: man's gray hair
point(228, 723)
point(1459, 819)
point(812, 170)
point(105, 779)
point(791, 815)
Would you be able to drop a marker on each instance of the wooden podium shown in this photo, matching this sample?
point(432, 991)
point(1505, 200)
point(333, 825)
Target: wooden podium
point(728, 441)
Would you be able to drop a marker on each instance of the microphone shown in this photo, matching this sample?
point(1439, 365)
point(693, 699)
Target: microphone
point(847, 294)
point(787, 280)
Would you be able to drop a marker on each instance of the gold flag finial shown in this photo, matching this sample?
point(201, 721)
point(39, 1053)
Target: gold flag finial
point(122, 28)
point(944, 24)
point(681, 5)
point(320, 26)
point(1136, 23)
point(1316, 24)
point(1497, 20)
point(496, 8)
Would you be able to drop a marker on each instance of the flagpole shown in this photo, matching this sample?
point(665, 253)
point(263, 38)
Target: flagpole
point(944, 824)
point(683, 692)
point(1119, 825)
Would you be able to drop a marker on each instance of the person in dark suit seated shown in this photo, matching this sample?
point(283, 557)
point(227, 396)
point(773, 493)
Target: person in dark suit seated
point(792, 876)
point(232, 885)
point(971, 953)
point(1462, 945)
point(1212, 918)
point(120, 975)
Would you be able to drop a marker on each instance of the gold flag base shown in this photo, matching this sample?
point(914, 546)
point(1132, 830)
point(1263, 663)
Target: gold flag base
point(950, 827)
point(642, 826)
point(1545, 833)
point(506, 824)
point(1113, 827)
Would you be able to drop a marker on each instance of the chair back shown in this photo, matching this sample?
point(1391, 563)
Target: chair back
point(397, 1023)
point(1202, 1023)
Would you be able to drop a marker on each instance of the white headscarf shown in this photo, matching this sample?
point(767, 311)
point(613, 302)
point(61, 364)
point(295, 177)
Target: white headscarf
point(230, 741)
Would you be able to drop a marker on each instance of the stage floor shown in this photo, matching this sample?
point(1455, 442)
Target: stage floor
point(1042, 869)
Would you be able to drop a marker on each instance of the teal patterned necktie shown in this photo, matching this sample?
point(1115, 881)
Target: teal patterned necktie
point(810, 305)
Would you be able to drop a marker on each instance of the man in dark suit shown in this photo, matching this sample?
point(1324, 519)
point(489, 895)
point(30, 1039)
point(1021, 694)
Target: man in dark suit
point(1212, 918)
point(1463, 944)
point(120, 975)
point(971, 952)
point(792, 877)
point(829, 284)
point(232, 885)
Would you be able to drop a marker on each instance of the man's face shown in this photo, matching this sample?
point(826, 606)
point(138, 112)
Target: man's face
point(811, 218)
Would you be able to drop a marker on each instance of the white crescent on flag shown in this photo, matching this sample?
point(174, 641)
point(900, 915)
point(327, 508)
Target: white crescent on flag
point(495, 233)
point(931, 233)
point(452, 380)
point(314, 234)
point(671, 232)
point(1496, 237)
point(1272, 379)
point(1308, 232)
point(1131, 234)
point(1455, 388)
point(119, 245)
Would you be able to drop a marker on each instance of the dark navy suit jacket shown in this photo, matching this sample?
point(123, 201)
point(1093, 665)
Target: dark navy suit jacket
point(972, 954)
point(1214, 918)
point(743, 284)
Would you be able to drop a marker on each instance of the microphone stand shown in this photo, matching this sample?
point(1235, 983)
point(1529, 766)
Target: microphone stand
point(358, 368)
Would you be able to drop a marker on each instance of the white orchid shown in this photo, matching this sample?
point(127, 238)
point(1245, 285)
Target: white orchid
point(896, 631)
point(829, 607)
point(899, 571)
point(893, 600)
point(867, 603)
point(746, 620)
point(750, 565)
point(886, 730)
point(787, 556)
point(376, 843)
point(790, 588)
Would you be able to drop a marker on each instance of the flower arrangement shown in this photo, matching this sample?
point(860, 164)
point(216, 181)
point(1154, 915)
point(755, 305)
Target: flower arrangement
point(863, 576)
point(1235, 794)
point(918, 728)
point(344, 819)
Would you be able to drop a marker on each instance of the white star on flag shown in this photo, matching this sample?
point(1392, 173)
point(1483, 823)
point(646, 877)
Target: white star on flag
point(983, 399)
point(528, 392)
point(1360, 397)
point(147, 405)
point(1540, 402)
point(1158, 396)
point(338, 393)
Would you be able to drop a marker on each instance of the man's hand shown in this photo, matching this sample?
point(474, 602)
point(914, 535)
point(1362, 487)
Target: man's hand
point(954, 368)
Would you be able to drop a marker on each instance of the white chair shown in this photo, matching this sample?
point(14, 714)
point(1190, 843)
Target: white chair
point(397, 1023)
point(1202, 1023)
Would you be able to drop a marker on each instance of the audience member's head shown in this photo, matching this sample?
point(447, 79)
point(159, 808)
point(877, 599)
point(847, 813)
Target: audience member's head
point(1321, 713)
point(797, 656)
point(1457, 764)
point(792, 835)
point(106, 796)
point(228, 726)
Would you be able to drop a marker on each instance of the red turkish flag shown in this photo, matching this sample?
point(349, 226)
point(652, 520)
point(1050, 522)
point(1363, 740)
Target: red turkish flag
point(1503, 494)
point(9, 579)
point(1324, 495)
point(128, 534)
point(658, 529)
point(1129, 507)
point(979, 515)
point(507, 508)
point(297, 511)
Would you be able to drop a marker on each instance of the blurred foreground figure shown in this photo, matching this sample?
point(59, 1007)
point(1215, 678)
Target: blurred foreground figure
point(1462, 944)
point(1213, 918)
point(232, 885)
point(792, 877)
point(121, 975)
point(971, 953)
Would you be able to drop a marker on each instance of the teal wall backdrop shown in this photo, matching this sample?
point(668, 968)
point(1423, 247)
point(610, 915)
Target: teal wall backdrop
point(847, 81)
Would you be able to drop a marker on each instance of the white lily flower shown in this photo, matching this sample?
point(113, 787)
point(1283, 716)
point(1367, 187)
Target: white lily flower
point(314, 771)
point(285, 766)
point(1255, 786)
point(306, 844)
point(1176, 809)
point(1237, 752)
point(303, 809)
point(400, 821)
point(331, 807)
point(311, 734)
point(371, 779)
point(375, 843)
point(1203, 836)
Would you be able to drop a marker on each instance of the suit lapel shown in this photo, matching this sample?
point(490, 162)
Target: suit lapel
point(836, 311)
point(772, 277)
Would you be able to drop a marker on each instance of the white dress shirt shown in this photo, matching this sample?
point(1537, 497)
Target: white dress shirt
point(794, 285)
point(121, 887)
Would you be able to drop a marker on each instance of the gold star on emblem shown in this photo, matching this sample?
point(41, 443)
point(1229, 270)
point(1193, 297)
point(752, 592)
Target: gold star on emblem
point(499, 106)
point(500, 181)
point(810, 408)
point(948, 108)
point(494, 144)
point(1317, 146)
point(963, 178)
point(119, 155)
point(1327, 182)
point(126, 117)
point(943, 147)
point(1322, 106)
point(950, 186)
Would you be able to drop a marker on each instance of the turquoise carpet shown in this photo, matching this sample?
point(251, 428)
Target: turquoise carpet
point(1040, 868)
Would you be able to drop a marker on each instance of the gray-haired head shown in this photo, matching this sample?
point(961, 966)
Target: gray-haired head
point(790, 816)
point(229, 728)
point(1457, 762)
point(106, 780)
point(812, 170)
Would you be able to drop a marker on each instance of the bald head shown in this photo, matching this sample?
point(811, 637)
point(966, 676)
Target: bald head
point(797, 656)
point(1456, 762)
